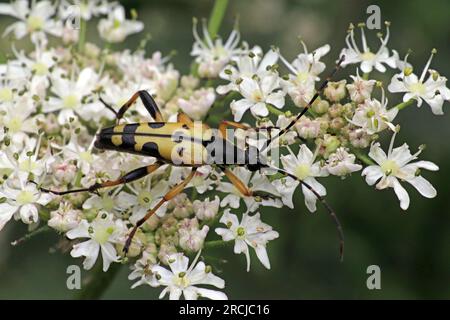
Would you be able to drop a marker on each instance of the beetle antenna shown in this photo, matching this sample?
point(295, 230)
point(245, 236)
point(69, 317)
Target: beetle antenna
point(310, 103)
point(108, 106)
point(324, 203)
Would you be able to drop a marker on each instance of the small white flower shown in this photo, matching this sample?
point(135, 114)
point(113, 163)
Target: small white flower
point(87, 9)
point(257, 92)
point(198, 104)
point(142, 196)
point(396, 165)
point(304, 168)
point(306, 67)
point(432, 90)
point(204, 179)
point(21, 201)
point(117, 94)
point(116, 27)
point(35, 20)
point(258, 183)
point(181, 279)
point(341, 163)
point(100, 168)
point(373, 116)
point(38, 68)
point(17, 117)
point(248, 64)
point(304, 71)
point(206, 209)
point(108, 201)
point(83, 155)
point(213, 56)
point(251, 231)
point(71, 96)
point(26, 162)
point(360, 89)
point(142, 270)
point(286, 187)
point(267, 129)
point(368, 59)
point(103, 232)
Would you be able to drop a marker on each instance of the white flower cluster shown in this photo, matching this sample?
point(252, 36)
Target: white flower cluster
point(50, 111)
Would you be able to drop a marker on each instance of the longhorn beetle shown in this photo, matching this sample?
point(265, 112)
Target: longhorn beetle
point(177, 143)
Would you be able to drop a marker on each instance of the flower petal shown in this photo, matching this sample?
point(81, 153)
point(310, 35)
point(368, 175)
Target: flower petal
point(424, 187)
point(401, 193)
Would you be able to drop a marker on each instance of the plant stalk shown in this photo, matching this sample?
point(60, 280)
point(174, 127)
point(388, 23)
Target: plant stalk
point(216, 17)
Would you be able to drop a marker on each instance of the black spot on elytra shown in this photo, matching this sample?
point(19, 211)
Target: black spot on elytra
point(151, 149)
point(130, 128)
point(156, 125)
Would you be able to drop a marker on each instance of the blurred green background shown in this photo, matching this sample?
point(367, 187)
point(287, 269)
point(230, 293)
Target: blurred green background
point(411, 248)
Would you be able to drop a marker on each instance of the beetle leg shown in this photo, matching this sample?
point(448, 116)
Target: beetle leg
point(184, 118)
point(147, 100)
point(177, 189)
point(243, 189)
point(129, 177)
point(224, 124)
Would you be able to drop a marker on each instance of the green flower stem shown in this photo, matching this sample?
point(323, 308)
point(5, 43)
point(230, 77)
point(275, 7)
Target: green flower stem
point(98, 282)
point(194, 194)
point(362, 157)
point(30, 235)
point(274, 110)
point(405, 104)
point(78, 177)
point(216, 243)
point(216, 17)
point(82, 35)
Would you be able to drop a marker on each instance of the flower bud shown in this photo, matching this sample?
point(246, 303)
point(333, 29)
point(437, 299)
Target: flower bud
point(359, 138)
point(64, 218)
point(165, 250)
point(335, 91)
point(321, 107)
point(169, 226)
point(335, 110)
point(307, 128)
point(189, 82)
point(182, 206)
point(328, 145)
point(192, 239)
point(337, 123)
point(206, 210)
point(139, 241)
point(152, 223)
point(198, 104)
point(64, 172)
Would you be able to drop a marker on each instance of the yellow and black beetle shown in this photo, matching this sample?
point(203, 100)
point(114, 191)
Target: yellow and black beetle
point(184, 143)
